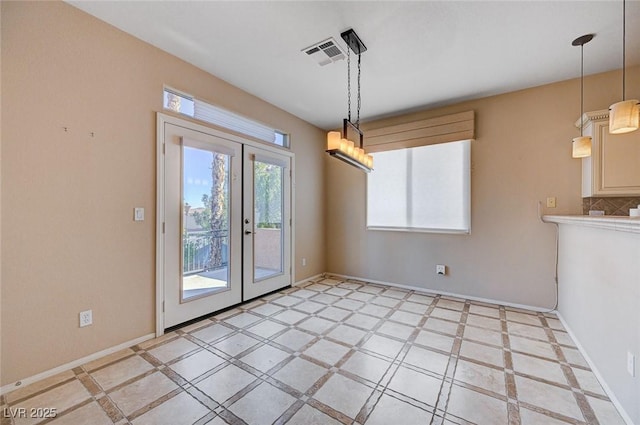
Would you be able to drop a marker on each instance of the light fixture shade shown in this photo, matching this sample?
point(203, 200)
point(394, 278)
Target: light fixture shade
point(333, 140)
point(624, 116)
point(581, 147)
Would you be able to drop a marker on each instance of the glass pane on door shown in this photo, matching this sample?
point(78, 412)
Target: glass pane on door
point(268, 218)
point(205, 222)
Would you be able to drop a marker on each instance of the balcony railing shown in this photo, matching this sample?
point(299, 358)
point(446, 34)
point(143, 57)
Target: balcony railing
point(197, 250)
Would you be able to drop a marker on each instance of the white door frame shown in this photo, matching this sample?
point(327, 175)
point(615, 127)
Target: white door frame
point(161, 119)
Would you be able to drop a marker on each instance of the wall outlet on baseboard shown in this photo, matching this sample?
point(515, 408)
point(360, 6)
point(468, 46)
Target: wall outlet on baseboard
point(631, 363)
point(441, 269)
point(86, 318)
point(304, 262)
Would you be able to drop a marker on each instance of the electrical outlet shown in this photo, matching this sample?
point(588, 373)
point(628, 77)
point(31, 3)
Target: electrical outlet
point(304, 262)
point(631, 363)
point(441, 269)
point(551, 202)
point(86, 318)
point(138, 214)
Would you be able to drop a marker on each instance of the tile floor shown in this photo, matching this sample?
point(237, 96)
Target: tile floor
point(331, 352)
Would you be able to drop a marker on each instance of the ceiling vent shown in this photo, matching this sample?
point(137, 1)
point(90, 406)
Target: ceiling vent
point(325, 52)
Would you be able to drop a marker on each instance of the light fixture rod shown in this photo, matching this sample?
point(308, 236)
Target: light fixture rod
point(581, 41)
point(624, 38)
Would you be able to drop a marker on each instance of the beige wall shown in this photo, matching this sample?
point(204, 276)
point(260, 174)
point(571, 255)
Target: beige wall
point(600, 304)
point(68, 198)
point(521, 155)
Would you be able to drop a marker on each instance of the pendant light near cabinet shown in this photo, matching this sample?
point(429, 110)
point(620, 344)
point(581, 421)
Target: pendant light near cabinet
point(581, 146)
point(624, 116)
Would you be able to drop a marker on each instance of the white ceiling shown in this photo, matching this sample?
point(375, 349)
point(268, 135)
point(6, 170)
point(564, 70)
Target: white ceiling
point(421, 53)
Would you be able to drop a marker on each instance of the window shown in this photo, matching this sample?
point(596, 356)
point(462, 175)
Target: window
point(194, 108)
point(422, 189)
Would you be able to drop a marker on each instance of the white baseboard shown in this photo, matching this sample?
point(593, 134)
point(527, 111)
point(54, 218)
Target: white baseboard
point(594, 369)
point(449, 294)
point(300, 282)
point(68, 366)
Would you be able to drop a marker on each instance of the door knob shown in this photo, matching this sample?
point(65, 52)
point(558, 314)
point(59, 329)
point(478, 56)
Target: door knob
point(247, 232)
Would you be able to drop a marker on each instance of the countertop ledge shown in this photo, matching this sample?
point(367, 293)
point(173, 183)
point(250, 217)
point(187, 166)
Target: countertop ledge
point(610, 222)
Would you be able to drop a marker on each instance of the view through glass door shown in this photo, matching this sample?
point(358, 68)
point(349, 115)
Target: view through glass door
point(224, 221)
point(267, 224)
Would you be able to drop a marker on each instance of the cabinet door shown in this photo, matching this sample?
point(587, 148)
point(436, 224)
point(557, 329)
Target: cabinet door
point(616, 162)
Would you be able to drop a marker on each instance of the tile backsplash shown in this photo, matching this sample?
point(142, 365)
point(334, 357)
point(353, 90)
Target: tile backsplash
point(610, 206)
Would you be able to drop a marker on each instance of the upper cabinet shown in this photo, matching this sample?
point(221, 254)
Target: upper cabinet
point(613, 169)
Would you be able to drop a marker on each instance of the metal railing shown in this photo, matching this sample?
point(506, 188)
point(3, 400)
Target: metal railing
point(197, 251)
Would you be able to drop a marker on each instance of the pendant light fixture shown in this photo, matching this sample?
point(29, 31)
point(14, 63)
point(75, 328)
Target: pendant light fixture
point(342, 145)
point(624, 116)
point(581, 146)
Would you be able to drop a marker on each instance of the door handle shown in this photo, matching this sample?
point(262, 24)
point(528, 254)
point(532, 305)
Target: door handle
point(248, 232)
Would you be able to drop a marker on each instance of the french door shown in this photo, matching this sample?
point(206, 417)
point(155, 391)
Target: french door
point(224, 221)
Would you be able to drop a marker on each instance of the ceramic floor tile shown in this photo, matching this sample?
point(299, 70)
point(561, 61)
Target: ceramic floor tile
point(303, 293)
point(529, 319)
point(181, 409)
point(483, 353)
point(413, 307)
point(344, 395)
point(351, 305)
point(385, 301)
point(242, 320)
point(555, 324)
point(300, 374)
point(211, 333)
point(539, 368)
point(395, 329)
point(173, 349)
point(605, 412)
point(335, 314)
point(384, 346)
point(90, 413)
point(451, 304)
point(267, 309)
point(263, 405)
point(484, 322)
point(375, 310)
point(418, 386)
point(588, 381)
point(195, 365)
point(395, 293)
point(389, 410)
point(432, 339)
point(443, 313)
point(360, 296)
point(61, 398)
point(287, 301)
point(482, 335)
point(309, 306)
point(532, 346)
point(476, 408)
point(319, 287)
point(264, 358)
point(236, 344)
point(225, 383)
point(573, 356)
point(289, 316)
point(327, 351)
point(563, 338)
point(548, 397)
point(102, 361)
point(340, 292)
point(307, 415)
point(406, 318)
point(117, 373)
point(527, 331)
point(441, 326)
point(480, 376)
point(484, 311)
point(30, 390)
point(419, 298)
point(426, 359)
point(529, 417)
point(362, 321)
point(325, 298)
point(294, 339)
point(366, 366)
point(347, 334)
point(266, 329)
point(316, 325)
point(142, 392)
point(372, 289)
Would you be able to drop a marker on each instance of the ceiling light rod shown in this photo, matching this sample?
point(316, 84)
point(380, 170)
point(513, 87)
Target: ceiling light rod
point(581, 146)
point(341, 145)
point(624, 116)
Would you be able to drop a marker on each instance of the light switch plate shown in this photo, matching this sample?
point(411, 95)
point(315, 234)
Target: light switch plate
point(138, 214)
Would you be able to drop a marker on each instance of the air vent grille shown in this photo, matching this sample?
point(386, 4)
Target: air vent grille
point(325, 52)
